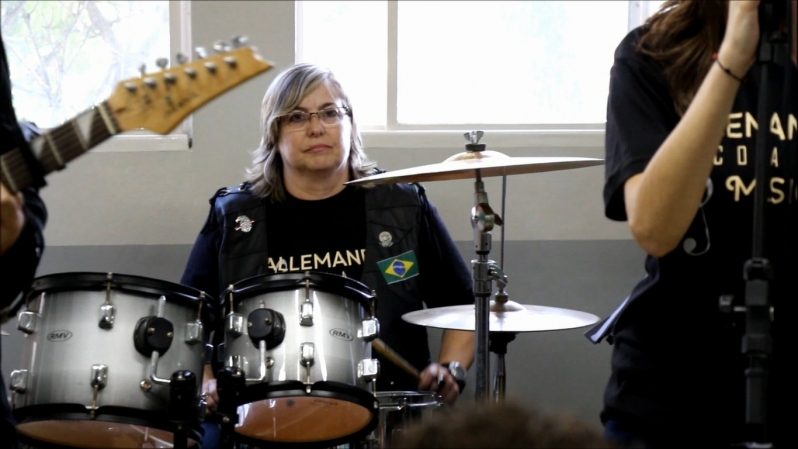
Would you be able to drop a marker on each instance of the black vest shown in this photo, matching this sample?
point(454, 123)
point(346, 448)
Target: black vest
point(396, 208)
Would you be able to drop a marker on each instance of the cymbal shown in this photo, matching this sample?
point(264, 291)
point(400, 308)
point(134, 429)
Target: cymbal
point(510, 317)
point(489, 163)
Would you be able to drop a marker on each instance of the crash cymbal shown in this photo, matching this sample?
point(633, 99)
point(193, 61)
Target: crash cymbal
point(510, 317)
point(489, 163)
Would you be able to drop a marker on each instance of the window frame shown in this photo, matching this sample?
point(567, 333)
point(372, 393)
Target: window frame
point(395, 134)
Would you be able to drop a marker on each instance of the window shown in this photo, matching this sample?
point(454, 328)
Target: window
point(66, 56)
point(450, 65)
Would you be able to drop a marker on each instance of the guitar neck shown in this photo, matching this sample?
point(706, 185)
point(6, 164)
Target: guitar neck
point(58, 146)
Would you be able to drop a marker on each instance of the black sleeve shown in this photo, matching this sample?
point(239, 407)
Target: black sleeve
point(19, 263)
point(202, 268)
point(640, 115)
point(445, 279)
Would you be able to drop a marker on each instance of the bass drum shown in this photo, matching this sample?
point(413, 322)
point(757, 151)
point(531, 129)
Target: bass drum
point(98, 355)
point(302, 341)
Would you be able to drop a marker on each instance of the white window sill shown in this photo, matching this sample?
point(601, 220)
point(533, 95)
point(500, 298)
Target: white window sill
point(535, 138)
point(133, 143)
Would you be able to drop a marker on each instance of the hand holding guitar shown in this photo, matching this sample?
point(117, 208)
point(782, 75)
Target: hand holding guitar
point(12, 218)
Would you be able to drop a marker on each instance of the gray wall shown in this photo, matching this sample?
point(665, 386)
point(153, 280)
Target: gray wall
point(139, 212)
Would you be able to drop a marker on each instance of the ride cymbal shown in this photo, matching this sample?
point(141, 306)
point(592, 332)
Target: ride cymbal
point(489, 163)
point(510, 317)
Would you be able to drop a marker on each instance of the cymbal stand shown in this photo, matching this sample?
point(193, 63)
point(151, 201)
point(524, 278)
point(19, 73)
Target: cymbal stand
point(498, 346)
point(484, 271)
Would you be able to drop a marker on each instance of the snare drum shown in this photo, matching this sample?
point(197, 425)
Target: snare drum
point(98, 355)
point(302, 341)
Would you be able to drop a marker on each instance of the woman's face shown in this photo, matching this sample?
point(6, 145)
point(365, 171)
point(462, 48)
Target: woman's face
point(315, 147)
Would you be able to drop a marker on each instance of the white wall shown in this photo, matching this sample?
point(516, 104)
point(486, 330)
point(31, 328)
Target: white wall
point(148, 198)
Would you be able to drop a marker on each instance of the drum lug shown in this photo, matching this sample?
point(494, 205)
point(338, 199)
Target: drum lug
point(369, 329)
point(234, 325)
point(368, 369)
point(307, 354)
point(237, 362)
point(26, 322)
point(194, 332)
point(306, 313)
point(19, 381)
point(99, 376)
point(107, 313)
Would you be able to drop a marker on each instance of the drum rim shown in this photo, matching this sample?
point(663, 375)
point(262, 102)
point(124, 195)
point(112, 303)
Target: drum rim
point(431, 398)
point(108, 413)
point(291, 388)
point(326, 282)
point(93, 281)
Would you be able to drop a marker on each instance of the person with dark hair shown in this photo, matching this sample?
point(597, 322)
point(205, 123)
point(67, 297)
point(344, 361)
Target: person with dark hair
point(295, 213)
point(22, 218)
point(680, 153)
point(506, 425)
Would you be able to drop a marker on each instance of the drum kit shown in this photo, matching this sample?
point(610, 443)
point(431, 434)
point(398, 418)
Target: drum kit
point(298, 368)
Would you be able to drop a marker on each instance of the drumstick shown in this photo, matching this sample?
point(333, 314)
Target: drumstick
point(395, 358)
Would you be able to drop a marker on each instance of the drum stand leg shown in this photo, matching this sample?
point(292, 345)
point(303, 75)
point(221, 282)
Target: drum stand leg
point(230, 383)
point(498, 345)
point(182, 396)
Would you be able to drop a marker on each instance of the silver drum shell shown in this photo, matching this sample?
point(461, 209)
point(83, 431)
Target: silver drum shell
point(334, 335)
point(59, 372)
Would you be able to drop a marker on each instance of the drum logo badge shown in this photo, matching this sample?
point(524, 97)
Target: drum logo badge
point(386, 239)
point(59, 335)
point(244, 223)
point(341, 334)
point(399, 268)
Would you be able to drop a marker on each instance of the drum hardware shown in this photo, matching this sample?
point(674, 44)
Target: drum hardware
point(230, 383)
point(107, 310)
point(99, 379)
point(306, 309)
point(194, 331)
point(182, 393)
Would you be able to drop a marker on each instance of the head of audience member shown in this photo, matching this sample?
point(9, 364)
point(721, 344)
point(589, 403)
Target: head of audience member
point(505, 425)
point(308, 127)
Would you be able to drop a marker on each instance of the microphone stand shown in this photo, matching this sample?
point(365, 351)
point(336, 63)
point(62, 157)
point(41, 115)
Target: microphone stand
point(757, 342)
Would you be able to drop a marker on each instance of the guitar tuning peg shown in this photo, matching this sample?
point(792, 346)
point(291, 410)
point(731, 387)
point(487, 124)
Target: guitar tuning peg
point(201, 52)
point(142, 69)
point(221, 46)
point(162, 62)
point(181, 58)
point(239, 41)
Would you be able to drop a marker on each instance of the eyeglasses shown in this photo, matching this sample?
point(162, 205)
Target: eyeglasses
point(327, 117)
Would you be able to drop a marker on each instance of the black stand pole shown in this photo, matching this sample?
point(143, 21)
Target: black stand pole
point(230, 383)
point(182, 399)
point(757, 342)
point(498, 346)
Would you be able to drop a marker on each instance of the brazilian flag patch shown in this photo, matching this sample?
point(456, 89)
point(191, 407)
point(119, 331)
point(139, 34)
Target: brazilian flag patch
point(399, 268)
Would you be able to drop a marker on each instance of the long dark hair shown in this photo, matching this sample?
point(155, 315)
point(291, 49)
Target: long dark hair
point(682, 36)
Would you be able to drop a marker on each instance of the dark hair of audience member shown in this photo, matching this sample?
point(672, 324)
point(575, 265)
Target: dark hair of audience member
point(506, 425)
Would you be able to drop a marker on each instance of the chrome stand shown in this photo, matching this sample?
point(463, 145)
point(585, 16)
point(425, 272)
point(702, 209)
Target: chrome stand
point(485, 271)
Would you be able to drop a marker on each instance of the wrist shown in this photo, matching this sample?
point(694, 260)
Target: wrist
point(737, 62)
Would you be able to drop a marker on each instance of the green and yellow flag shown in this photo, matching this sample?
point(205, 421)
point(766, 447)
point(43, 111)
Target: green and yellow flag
point(399, 268)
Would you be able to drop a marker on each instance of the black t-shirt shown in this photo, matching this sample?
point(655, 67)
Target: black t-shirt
point(677, 359)
point(327, 235)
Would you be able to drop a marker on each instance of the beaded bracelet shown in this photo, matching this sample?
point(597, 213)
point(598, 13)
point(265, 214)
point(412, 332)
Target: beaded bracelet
point(727, 70)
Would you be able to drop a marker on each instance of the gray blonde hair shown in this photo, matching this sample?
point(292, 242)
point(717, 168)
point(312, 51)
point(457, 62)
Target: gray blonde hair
point(283, 96)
